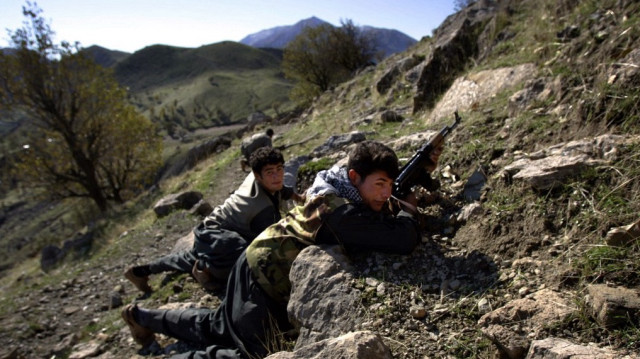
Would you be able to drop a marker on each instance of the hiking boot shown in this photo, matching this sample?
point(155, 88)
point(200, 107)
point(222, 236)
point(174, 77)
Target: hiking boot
point(142, 283)
point(204, 277)
point(140, 334)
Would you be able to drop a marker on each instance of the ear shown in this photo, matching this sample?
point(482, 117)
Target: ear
point(354, 177)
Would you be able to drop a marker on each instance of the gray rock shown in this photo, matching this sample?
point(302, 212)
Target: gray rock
point(391, 76)
point(291, 170)
point(551, 171)
point(66, 343)
point(355, 345)
point(622, 236)
point(509, 327)
point(391, 116)
point(185, 243)
point(115, 300)
point(49, 257)
point(468, 211)
point(456, 43)
point(387, 80)
point(568, 33)
point(411, 142)
point(556, 348)
point(476, 88)
point(184, 200)
point(484, 306)
point(624, 71)
point(472, 190)
point(85, 350)
point(322, 299)
point(521, 100)
point(338, 142)
point(612, 306)
point(202, 208)
point(550, 167)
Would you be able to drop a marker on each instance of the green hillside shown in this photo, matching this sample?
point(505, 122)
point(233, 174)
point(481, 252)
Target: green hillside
point(211, 85)
point(105, 57)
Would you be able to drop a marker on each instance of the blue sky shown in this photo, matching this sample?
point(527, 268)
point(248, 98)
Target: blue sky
point(130, 25)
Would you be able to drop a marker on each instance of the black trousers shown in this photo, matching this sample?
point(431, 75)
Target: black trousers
point(246, 324)
point(216, 247)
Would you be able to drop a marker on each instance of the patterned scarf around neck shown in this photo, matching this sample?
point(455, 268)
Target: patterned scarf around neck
point(334, 180)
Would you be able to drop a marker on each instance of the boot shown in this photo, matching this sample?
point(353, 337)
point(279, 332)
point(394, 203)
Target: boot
point(142, 283)
point(204, 277)
point(140, 334)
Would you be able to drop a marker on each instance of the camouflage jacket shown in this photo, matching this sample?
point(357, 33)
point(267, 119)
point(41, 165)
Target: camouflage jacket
point(272, 253)
point(326, 219)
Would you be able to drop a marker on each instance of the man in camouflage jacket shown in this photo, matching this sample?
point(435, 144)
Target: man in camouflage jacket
point(344, 206)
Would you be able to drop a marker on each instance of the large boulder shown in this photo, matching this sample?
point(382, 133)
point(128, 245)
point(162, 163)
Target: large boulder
point(550, 167)
point(467, 91)
point(391, 76)
point(456, 43)
point(322, 298)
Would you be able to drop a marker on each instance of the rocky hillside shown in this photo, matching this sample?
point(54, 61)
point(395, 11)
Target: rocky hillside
point(530, 247)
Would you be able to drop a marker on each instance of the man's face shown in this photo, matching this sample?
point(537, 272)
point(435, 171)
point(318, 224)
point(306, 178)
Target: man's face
point(271, 177)
point(375, 189)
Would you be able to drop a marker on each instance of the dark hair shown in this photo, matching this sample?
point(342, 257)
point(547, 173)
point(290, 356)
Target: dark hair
point(370, 156)
point(269, 132)
point(265, 156)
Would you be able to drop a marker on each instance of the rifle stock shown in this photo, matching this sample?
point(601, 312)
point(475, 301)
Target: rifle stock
point(415, 171)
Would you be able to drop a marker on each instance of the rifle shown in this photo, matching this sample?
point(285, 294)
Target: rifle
point(415, 171)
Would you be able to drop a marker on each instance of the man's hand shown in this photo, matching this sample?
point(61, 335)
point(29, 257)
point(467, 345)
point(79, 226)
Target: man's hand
point(410, 204)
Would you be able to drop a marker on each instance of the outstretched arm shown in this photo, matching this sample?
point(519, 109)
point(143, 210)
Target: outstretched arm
point(360, 229)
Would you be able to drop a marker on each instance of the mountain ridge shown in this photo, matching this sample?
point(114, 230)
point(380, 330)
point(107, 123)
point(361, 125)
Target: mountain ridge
point(150, 72)
point(388, 41)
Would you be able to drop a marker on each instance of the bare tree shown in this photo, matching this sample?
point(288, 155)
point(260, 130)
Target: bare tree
point(82, 137)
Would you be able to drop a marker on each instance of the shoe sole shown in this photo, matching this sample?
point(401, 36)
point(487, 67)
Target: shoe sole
point(143, 339)
point(135, 280)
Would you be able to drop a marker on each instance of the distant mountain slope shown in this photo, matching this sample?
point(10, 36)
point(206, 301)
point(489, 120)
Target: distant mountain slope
point(106, 57)
point(278, 37)
point(191, 88)
point(160, 64)
point(388, 41)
